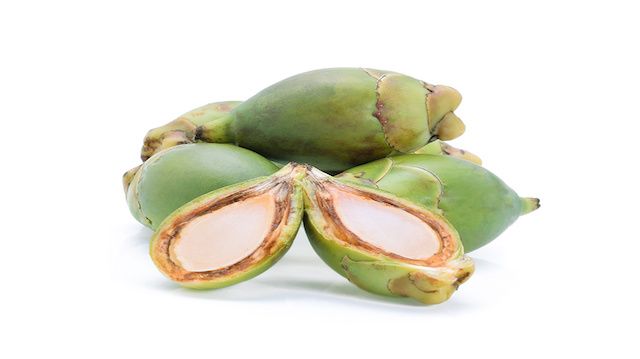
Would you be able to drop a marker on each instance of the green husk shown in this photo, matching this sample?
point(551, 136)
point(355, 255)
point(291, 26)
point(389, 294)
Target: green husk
point(478, 204)
point(332, 119)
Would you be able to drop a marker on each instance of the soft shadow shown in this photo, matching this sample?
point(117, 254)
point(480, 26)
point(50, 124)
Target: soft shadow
point(293, 260)
point(140, 237)
point(483, 264)
point(339, 293)
point(243, 292)
point(342, 289)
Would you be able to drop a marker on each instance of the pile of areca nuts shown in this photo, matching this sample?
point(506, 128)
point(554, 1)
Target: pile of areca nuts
point(355, 154)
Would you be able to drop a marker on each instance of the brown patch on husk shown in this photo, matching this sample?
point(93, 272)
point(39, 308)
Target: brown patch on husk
point(378, 113)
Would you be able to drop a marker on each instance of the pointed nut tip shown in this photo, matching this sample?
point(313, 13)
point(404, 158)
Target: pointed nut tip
point(530, 204)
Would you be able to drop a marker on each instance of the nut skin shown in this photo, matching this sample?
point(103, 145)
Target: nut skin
point(334, 119)
point(281, 246)
point(179, 174)
point(476, 202)
point(378, 273)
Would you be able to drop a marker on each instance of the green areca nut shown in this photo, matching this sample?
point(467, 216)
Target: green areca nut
point(179, 174)
point(476, 202)
point(332, 119)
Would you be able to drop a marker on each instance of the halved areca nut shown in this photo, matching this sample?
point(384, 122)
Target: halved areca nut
point(381, 243)
point(231, 234)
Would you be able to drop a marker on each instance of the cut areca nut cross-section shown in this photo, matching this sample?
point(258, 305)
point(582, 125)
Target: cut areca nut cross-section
point(381, 243)
point(231, 234)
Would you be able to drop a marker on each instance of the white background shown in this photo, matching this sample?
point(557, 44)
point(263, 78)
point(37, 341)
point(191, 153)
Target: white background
point(550, 101)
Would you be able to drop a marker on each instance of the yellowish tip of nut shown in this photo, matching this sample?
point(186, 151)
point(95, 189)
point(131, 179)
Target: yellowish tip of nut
point(450, 127)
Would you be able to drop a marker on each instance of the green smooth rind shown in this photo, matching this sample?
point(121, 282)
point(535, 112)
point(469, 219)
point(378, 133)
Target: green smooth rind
point(335, 118)
point(323, 118)
point(431, 148)
point(379, 274)
point(478, 203)
point(285, 240)
point(179, 174)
